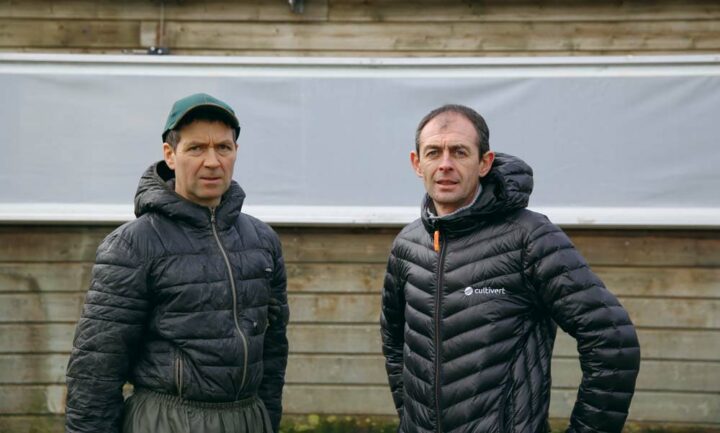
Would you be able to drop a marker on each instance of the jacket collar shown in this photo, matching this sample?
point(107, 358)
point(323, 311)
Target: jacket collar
point(156, 194)
point(506, 188)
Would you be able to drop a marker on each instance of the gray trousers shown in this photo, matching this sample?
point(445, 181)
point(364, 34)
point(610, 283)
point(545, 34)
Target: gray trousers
point(152, 412)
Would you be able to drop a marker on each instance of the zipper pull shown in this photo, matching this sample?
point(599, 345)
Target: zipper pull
point(212, 215)
point(436, 241)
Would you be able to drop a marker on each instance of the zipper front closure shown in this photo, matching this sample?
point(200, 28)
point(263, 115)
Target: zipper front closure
point(439, 244)
point(234, 296)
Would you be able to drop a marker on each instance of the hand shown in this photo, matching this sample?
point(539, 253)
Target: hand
point(274, 310)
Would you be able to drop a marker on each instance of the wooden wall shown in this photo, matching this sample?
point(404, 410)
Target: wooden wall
point(668, 280)
point(363, 27)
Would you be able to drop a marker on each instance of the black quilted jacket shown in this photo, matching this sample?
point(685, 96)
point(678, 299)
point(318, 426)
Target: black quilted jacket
point(468, 329)
point(178, 304)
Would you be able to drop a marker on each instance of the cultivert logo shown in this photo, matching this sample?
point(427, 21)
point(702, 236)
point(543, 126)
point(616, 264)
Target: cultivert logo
point(484, 291)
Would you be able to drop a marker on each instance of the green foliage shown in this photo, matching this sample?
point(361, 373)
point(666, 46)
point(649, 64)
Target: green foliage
point(337, 424)
point(373, 424)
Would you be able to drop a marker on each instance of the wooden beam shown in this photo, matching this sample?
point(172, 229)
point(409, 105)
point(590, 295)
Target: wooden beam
point(440, 11)
point(68, 33)
point(207, 10)
point(44, 277)
point(519, 37)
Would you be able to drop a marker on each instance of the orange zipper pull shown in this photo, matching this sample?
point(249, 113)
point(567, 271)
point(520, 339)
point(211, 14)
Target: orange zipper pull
point(436, 241)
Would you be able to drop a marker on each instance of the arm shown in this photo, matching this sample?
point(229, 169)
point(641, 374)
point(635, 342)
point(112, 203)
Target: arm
point(392, 324)
point(606, 340)
point(275, 347)
point(109, 329)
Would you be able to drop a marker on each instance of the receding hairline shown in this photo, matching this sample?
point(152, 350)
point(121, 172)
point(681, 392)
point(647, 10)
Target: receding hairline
point(476, 120)
point(448, 118)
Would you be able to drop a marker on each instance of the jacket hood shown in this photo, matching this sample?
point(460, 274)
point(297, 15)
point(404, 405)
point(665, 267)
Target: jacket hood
point(156, 194)
point(506, 188)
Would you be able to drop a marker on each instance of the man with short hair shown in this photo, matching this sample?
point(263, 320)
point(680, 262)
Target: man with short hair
point(188, 302)
point(474, 290)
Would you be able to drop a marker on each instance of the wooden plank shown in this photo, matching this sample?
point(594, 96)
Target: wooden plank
point(370, 370)
point(41, 307)
point(33, 368)
point(336, 245)
point(661, 344)
point(352, 369)
point(50, 243)
point(44, 277)
point(209, 51)
point(671, 313)
point(68, 33)
point(652, 406)
point(332, 339)
point(208, 10)
point(32, 424)
point(335, 277)
point(648, 248)
point(469, 37)
point(26, 338)
point(334, 308)
point(499, 10)
point(661, 281)
point(365, 246)
point(686, 376)
point(32, 399)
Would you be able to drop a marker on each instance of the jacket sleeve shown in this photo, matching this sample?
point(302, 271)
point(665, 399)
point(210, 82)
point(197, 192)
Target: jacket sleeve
point(392, 325)
point(606, 339)
point(275, 347)
point(107, 334)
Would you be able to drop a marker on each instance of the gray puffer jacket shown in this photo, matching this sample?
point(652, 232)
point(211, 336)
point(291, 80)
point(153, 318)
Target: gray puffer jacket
point(468, 329)
point(178, 303)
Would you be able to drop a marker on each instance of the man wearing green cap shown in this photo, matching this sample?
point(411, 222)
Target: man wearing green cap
point(188, 302)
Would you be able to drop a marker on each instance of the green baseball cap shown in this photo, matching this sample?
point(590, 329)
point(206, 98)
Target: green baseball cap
point(184, 106)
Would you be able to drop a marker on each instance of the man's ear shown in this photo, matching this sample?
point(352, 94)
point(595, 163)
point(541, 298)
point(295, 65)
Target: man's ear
point(169, 155)
point(486, 163)
point(415, 161)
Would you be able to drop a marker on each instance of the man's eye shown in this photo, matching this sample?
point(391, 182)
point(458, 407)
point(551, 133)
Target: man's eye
point(460, 152)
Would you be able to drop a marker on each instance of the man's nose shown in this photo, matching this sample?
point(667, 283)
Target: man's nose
point(211, 158)
point(446, 162)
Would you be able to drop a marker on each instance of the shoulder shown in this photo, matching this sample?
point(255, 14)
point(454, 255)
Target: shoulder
point(413, 232)
point(533, 224)
point(412, 237)
point(265, 234)
point(140, 236)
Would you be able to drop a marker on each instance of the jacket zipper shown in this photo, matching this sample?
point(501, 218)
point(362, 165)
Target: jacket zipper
point(439, 244)
point(234, 296)
point(178, 373)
